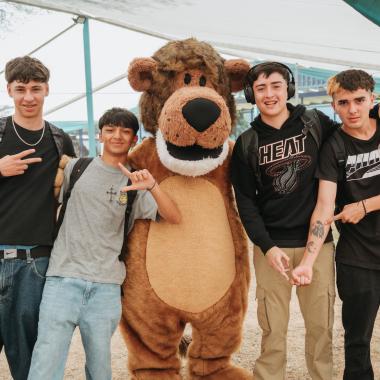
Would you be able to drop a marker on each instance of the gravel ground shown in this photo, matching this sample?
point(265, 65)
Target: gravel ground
point(245, 357)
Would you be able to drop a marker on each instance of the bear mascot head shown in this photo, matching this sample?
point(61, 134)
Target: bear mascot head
point(196, 271)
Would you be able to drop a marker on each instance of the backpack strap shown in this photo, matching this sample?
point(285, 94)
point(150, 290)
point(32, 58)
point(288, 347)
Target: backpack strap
point(340, 152)
point(78, 169)
point(250, 147)
point(3, 122)
point(131, 198)
point(312, 125)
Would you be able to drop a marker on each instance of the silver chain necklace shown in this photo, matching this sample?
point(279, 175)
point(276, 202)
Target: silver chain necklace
point(26, 143)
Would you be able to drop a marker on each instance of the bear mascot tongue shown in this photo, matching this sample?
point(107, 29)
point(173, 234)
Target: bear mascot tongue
point(197, 271)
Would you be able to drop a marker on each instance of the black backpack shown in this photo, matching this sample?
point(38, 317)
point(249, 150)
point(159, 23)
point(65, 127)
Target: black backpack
point(250, 141)
point(78, 169)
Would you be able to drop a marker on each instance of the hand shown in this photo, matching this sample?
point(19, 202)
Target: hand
point(141, 179)
point(302, 275)
point(278, 260)
point(351, 213)
point(12, 165)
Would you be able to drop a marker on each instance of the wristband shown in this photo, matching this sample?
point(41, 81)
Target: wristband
point(151, 188)
point(365, 210)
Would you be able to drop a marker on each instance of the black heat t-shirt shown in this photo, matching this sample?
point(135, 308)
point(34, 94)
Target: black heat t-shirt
point(359, 244)
point(27, 204)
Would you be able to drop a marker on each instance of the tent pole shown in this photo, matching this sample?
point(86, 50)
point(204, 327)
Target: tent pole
point(89, 98)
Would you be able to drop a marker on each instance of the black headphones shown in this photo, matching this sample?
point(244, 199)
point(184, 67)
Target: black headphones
point(248, 90)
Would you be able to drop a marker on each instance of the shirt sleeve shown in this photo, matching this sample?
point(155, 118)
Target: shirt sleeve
point(68, 147)
point(144, 207)
point(244, 184)
point(328, 164)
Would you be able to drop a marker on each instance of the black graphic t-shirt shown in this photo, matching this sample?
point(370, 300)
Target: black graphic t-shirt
point(359, 244)
point(279, 212)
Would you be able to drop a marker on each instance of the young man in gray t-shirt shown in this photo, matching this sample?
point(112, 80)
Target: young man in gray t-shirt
point(84, 275)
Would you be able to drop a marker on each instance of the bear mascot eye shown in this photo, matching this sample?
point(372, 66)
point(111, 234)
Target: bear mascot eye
point(187, 78)
point(202, 81)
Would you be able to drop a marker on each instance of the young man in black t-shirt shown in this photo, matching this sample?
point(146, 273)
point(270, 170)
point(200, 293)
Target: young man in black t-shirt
point(353, 183)
point(30, 150)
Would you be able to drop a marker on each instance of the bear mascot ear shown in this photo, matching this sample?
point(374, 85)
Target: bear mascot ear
point(236, 69)
point(140, 73)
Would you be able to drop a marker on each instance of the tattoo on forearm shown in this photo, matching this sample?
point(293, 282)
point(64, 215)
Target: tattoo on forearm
point(317, 229)
point(310, 247)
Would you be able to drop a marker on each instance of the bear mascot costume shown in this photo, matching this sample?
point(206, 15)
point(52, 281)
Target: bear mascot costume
point(196, 271)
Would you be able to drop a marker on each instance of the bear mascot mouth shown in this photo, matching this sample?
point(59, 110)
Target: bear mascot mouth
point(193, 131)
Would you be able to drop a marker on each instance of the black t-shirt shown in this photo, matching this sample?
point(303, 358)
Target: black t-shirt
point(279, 213)
point(359, 244)
point(27, 204)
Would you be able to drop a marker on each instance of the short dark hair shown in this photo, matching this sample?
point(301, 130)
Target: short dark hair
point(267, 68)
point(350, 80)
point(25, 69)
point(119, 117)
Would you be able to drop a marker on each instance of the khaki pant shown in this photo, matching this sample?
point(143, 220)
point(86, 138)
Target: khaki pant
point(316, 301)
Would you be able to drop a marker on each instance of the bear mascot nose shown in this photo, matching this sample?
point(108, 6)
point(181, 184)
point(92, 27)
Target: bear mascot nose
point(201, 113)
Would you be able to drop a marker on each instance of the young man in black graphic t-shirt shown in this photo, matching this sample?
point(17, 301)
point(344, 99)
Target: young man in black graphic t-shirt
point(356, 192)
point(30, 150)
point(276, 214)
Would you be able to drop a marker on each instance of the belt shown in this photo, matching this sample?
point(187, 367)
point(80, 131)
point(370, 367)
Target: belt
point(12, 253)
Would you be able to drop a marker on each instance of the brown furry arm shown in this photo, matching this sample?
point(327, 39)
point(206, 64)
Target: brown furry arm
point(141, 155)
point(58, 181)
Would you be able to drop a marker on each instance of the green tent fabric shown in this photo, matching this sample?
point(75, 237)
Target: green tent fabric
point(368, 8)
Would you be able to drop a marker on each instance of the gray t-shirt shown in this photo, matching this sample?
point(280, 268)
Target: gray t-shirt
point(91, 235)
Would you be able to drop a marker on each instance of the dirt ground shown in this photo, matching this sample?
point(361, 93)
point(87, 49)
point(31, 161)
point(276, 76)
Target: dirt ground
point(245, 357)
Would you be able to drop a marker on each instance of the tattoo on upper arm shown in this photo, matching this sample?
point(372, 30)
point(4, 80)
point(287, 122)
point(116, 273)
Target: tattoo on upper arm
point(317, 229)
point(310, 247)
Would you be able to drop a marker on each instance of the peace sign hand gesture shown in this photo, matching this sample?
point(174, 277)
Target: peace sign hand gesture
point(141, 179)
point(16, 164)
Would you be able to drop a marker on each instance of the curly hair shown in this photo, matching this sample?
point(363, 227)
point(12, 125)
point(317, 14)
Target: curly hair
point(179, 56)
point(350, 80)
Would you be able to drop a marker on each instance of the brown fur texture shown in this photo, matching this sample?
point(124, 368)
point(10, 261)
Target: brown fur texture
point(58, 181)
point(179, 57)
point(153, 318)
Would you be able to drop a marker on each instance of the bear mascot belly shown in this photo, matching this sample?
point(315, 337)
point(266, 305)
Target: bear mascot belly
point(195, 271)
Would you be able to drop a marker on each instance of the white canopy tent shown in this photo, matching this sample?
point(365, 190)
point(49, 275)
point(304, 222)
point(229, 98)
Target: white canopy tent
point(324, 31)
point(327, 33)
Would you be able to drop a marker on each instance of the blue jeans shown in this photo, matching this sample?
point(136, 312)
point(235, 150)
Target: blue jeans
point(21, 285)
point(66, 303)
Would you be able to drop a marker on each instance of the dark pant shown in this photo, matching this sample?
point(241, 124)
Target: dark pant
point(21, 285)
point(359, 290)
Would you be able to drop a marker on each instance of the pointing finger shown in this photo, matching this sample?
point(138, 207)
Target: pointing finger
point(124, 170)
point(338, 216)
